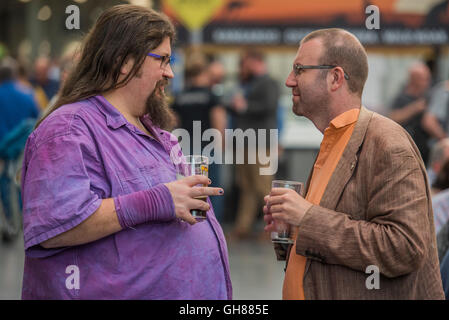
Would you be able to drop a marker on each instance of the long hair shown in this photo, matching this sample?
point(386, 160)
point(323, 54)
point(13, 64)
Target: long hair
point(120, 33)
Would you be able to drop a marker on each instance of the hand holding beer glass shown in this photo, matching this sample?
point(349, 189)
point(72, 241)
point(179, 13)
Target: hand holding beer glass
point(195, 165)
point(282, 229)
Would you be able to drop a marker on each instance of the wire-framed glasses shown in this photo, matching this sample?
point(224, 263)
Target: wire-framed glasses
point(165, 60)
point(298, 68)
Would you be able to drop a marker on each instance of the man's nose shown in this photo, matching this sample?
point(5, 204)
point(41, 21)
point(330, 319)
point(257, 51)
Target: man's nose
point(168, 72)
point(291, 80)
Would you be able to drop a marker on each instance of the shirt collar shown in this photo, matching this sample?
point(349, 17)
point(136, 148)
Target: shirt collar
point(114, 119)
point(345, 119)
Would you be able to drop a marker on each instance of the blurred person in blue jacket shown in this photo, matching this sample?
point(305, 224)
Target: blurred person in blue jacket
point(16, 101)
point(18, 112)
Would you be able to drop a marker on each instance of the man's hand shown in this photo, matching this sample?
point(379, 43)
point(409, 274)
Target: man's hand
point(432, 126)
point(184, 193)
point(408, 111)
point(239, 103)
point(285, 205)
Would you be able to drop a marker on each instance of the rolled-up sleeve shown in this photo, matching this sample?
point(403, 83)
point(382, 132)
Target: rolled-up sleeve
point(57, 191)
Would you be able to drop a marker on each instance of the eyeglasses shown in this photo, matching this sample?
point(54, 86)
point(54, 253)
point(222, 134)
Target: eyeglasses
point(297, 68)
point(165, 60)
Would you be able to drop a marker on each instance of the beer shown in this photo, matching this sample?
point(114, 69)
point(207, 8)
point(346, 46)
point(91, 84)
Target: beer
point(195, 165)
point(198, 214)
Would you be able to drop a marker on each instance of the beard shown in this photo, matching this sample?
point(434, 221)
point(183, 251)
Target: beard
point(311, 100)
point(158, 109)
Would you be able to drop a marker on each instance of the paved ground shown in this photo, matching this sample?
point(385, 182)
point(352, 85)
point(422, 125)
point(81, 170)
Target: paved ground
point(11, 269)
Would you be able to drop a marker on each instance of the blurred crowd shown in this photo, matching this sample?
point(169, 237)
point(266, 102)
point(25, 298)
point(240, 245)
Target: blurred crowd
point(421, 107)
point(27, 91)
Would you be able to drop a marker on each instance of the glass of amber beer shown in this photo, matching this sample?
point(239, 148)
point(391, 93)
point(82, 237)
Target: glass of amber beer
point(195, 165)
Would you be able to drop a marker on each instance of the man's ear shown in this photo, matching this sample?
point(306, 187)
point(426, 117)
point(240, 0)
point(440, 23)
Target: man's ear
point(127, 66)
point(336, 78)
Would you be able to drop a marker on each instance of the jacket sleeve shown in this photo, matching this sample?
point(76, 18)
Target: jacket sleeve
point(395, 234)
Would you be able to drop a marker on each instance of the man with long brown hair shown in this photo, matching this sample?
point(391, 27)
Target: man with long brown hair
point(104, 217)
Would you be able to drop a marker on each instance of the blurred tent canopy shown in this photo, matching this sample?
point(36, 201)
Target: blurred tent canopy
point(278, 22)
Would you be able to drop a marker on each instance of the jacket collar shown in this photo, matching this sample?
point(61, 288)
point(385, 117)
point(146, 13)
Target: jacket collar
point(346, 164)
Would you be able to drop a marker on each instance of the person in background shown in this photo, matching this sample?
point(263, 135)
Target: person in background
point(42, 81)
point(16, 101)
point(197, 102)
point(254, 108)
point(441, 182)
point(18, 113)
point(409, 106)
point(436, 120)
point(67, 63)
point(23, 78)
point(367, 202)
point(440, 203)
point(440, 197)
point(217, 74)
point(99, 184)
point(439, 154)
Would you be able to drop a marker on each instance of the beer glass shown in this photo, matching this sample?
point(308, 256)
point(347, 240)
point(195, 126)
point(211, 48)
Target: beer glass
point(195, 165)
point(282, 229)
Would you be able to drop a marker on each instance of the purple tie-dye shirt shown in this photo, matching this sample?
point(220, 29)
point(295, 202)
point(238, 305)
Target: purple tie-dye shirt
point(85, 152)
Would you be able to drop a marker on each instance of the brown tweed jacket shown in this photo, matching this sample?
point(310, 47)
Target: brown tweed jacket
point(376, 210)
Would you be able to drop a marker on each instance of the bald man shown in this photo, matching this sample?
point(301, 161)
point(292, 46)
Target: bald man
point(409, 107)
point(364, 229)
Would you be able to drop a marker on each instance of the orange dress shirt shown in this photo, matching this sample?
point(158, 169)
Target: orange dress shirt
point(335, 139)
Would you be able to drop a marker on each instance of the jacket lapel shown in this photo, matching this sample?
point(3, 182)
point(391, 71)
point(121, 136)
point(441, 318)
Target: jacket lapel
point(345, 166)
point(304, 193)
point(347, 162)
point(306, 189)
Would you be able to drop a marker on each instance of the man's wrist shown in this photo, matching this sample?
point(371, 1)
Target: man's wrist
point(155, 204)
point(307, 209)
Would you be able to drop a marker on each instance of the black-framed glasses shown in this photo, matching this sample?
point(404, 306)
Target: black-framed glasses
point(297, 68)
point(165, 60)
